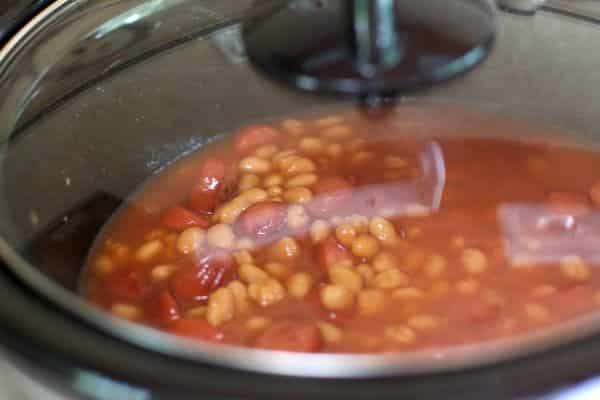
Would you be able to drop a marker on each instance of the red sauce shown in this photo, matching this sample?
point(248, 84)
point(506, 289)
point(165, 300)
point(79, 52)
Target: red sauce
point(342, 234)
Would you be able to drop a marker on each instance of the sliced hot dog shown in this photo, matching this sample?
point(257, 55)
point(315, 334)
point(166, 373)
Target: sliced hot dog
point(298, 336)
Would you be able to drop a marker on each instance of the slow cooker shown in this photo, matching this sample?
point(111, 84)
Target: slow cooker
point(96, 96)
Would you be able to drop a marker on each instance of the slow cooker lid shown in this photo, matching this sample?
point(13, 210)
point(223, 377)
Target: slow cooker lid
point(82, 69)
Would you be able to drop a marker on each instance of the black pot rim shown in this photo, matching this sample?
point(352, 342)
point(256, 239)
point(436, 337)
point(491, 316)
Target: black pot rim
point(34, 327)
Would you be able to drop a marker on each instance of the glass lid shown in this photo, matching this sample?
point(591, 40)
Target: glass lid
point(154, 186)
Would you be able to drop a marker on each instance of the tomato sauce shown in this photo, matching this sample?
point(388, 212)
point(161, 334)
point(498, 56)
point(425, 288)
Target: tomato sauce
point(349, 235)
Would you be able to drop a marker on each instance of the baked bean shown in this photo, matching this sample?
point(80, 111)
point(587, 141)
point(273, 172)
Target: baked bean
point(435, 266)
point(409, 293)
point(356, 145)
point(196, 312)
point(170, 240)
point(365, 246)
point(390, 279)
point(302, 180)
point(414, 232)
point(149, 251)
point(126, 311)
point(575, 269)
point(319, 230)
point(275, 191)
point(248, 181)
point(597, 299)
point(293, 126)
point(220, 235)
point(423, 322)
point(458, 242)
point(161, 273)
point(385, 261)
point(253, 196)
point(311, 145)
point(414, 259)
point(324, 163)
point(366, 272)
point(330, 332)
point(255, 165)
point(297, 217)
point(254, 136)
point(266, 151)
point(284, 163)
point(157, 233)
point(494, 298)
point(329, 121)
point(537, 166)
point(221, 307)
point(290, 335)
point(439, 289)
point(298, 195)
point(299, 166)
point(467, 286)
point(348, 264)
point(345, 234)
point(273, 180)
point(401, 334)
point(371, 301)
point(397, 174)
point(252, 274)
point(120, 253)
point(338, 132)
point(190, 240)
point(285, 250)
point(244, 243)
point(536, 312)
point(543, 291)
point(337, 298)
point(359, 222)
point(334, 150)
point(240, 296)
point(267, 292)
point(104, 265)
point(258, 324)
point(395, 162)
point(362, 157)
point(283, 154)
point(278, 270)
point(299, 285)
point(346, 277)
point(474, 260)
point(229, 212)
point(336, 220)
point(595, 193)
point(383, 230)
point(243, 257)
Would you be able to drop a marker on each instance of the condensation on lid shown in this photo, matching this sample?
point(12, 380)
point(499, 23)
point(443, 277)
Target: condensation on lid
point(539, 234)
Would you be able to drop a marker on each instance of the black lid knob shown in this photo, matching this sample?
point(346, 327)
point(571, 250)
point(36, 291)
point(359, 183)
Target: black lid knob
point(370, 47)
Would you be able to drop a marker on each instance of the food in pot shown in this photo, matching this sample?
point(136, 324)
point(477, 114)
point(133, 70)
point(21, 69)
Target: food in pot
point(345, 234)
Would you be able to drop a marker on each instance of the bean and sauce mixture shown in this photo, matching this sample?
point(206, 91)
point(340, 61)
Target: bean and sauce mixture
point(341, 234)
